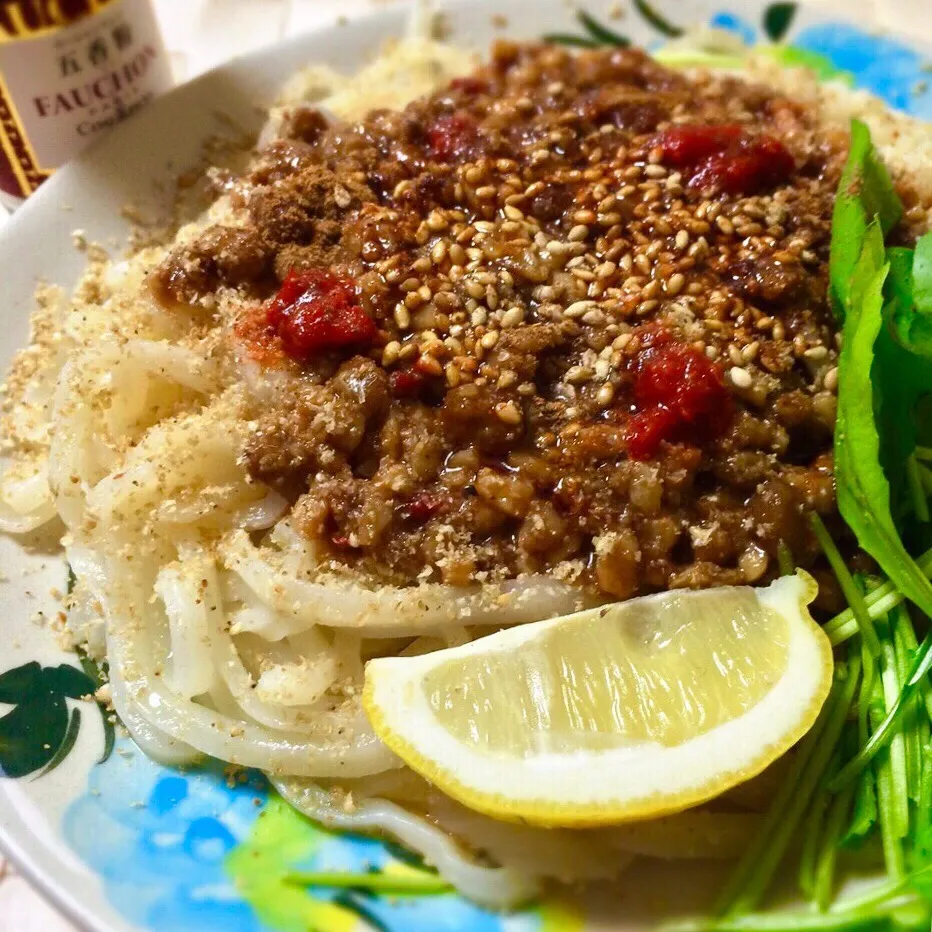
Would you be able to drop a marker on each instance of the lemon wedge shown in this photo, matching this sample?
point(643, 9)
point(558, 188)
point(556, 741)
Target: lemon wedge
point(622, 712)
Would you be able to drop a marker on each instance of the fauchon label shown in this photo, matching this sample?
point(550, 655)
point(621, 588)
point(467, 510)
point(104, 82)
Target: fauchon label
point(70, 69)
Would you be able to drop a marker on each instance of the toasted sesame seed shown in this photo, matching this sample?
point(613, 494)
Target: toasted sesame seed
point(429, 365)
point(402, 317)
point(578, 233)
point(390, 352)
point(413, 300)
point(488, 340)
point(436, 222)
point(606, 394)
point(508, 412)
point(512, 317)
point(830, 381)
point(578, 308)
point(740, 378)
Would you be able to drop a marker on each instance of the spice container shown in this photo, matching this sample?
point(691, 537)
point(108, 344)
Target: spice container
point(69, 70)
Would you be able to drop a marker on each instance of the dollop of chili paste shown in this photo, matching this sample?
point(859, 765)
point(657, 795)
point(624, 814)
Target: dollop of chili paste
point(317, 312)
point(679, 395)
point(726, 157)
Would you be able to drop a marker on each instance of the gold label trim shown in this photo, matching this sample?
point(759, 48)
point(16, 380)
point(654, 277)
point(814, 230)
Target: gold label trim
point(16, 147)
point(43, 18)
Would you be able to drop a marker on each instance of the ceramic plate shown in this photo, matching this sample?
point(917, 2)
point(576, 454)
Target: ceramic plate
point(120, 843)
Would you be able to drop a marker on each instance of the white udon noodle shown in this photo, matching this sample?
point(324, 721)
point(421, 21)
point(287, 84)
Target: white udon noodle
point(225, 636)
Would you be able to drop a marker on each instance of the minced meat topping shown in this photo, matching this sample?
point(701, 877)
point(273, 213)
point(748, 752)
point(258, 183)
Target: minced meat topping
point(567, 314)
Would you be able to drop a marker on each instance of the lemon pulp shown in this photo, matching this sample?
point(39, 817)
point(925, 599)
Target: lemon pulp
point(661, 671)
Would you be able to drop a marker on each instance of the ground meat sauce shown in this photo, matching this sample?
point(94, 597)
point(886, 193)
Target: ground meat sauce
point(575, 321)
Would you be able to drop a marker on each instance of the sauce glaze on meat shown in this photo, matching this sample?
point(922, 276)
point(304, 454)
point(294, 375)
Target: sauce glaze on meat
point(524, 240)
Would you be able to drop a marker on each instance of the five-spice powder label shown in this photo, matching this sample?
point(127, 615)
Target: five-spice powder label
point(69, 70)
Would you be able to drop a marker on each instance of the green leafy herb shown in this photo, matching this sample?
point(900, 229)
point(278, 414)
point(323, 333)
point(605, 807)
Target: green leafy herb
point(864, 816)
point(898, 813)
point(910, 308)
point(754, 873)
point(865, 192)
point(871, 910)
point(922, 274)
point(904, 643)
point(887, 728)
point(879, 602)
point(887, 798)
point(848, 585)
point(777, 20)
point(865, 813)
point(814, 831)
point(862, 486)
point(835, 821)
point(917, 492)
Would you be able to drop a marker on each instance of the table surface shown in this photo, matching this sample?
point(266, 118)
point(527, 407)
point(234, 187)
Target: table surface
point(201, 34)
